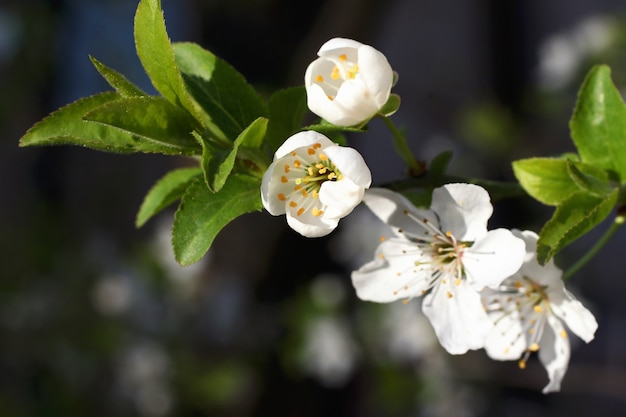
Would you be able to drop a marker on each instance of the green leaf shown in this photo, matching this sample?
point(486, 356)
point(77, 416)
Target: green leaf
point(223, 93)
point(391, 106)
point(166, 191)
point(597, 185)
point(253, 135)
point(548, 180)
point(202, 214)
point(287, 110)
point(157, 57)
point(153, 118)
point(218, 162)
point(598, 125)
point(574, 217)
point(117, 80)
point(67, 127)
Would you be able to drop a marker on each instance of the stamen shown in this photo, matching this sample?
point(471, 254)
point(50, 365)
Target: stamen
point(319, 79)
point(281, 197)
point(299, 213)
point(283, 179)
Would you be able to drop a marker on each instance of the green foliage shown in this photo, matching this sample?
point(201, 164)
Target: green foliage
point(287, 110)
point(202, 214)
point(552, 180)
point(67, 126)
point(117, 80)
point(151, 118)
point(598, 125)
point(574, 217)
point(229, 103)
point(165, 192)
point(586, 191)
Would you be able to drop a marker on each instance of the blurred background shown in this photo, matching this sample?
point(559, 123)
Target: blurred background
point(96, 318)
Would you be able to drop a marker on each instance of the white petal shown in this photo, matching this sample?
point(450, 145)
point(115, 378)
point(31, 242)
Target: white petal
point(392, 209)
point(463, 210)
point(376, 73)
point(579, 320)
point(392, 274)
point(337, 44)
point(460, 321)
point(494, 257)
point(301, 140)
point(313, 226)
point(356, 102)
point(269, 196)
point(350, 163)
point(340, 197)
point(554, 353)
point(507, 340)
point(319, 103)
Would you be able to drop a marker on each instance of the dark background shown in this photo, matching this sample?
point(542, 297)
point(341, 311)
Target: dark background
point(97, 320)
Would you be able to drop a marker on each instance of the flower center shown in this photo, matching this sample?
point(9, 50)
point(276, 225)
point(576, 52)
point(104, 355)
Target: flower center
point(343, 70)
point(304, 172)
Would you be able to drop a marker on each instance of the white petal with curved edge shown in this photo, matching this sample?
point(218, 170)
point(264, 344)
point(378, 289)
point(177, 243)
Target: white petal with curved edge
point(392, 275)
point(300, 140)
point(313, 227)
point(334, 44)
point(579, 320)
point(392, 208)
point(376, 74)
point(463, 210)
point(340, 197)
point(350, 163)
point(493, 258)
point(460, 322)
point(554, 353)
point(504, 342)
point(269, 198)
point(355, 101)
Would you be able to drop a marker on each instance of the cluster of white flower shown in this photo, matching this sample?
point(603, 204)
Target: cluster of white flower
point(482, 288)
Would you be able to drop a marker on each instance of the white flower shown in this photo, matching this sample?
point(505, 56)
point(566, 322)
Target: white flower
point(446, 254)
point(349, 82)
point(315, 182)
point(529, 309)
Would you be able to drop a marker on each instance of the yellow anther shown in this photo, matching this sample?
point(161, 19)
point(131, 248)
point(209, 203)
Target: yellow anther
point(518, 285)
point(304, 193)
point(322, 171)
point(319, 79)
point(281, 197)
point(310, 171)
point(300, 212)
point(314, 194)
point(457, 282)
point(310, 151)
point(297, 163)
point(531, 331)
point(448, 233)
point(283, 179)
point(406, 301)
point(383, 238)
point(317, 145)
point(563, 334)
point(323, 157)
point(293, 153)
point(293, 204)
point(286, 168)
point(343, 57)
point(533, 347)
point(298, 181)
point(319, 166)
point(331, 176)
point(537, 308)
point(448, 294)
point(522, 364)
point(335, 74)
point(316, 212)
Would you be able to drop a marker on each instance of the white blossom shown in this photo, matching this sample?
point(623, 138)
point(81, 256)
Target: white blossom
point(349, 82)
point(314, 182)
point(446, 254)
point(529, 309)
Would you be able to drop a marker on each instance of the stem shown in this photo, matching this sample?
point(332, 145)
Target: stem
point(617, 223)
point(399, 141)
